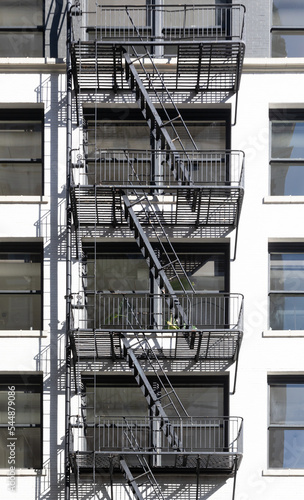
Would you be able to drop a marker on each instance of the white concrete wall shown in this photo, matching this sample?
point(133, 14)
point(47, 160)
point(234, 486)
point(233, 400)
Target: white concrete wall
point(260, 354)
point(31, 219)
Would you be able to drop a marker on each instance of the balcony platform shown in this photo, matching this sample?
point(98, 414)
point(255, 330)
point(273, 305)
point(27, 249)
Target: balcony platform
point(205, 44)
point(215, 333)
point(209, 190)
point(209, 444)
point(201, 67)
point(208, 206)
point(222, 463)
point(167, 345)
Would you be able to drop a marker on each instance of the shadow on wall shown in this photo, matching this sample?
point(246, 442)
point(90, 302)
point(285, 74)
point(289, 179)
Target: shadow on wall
point(179, 487)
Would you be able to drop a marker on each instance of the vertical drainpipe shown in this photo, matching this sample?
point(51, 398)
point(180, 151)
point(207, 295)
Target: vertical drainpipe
point(68, 250)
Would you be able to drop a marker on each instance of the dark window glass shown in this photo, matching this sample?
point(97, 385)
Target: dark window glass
point(287, 179)
point(288, 43)
point(287, 153)
point(21, 28)
point(287, 13)
point(20, 288)
point(288, 28)
point(26, 393)
point(286, 290)
point(122, 415)
point(286, 429)
point(114, 270)
point(287, 138)
point(21, 155)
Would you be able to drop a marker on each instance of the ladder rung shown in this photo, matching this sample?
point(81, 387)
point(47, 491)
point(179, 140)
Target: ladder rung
point(170, 121)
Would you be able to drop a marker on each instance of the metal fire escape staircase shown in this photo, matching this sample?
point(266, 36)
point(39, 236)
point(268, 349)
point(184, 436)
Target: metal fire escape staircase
point(162, 399)
point(162, 137)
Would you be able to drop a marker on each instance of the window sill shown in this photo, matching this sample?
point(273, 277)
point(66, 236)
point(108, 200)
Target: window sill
point(283, 333)
point(24, 199)
point(23, 333)
point(283, 472)
point(32, 64)
point(23, 472)
point(283, 199)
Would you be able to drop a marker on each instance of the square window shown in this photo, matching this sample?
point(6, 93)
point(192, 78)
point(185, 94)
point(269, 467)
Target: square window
point(286, 422)
point(287, 28)
point(21, 28)
point(21, 421)
point(286, 294)
point(20, 286)
point(287, 153)
point(21, 152)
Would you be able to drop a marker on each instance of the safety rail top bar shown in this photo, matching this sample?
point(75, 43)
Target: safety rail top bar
point(159, 23)
point(199, 434)
point(152, 167)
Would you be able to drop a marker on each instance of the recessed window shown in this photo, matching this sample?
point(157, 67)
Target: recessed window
point(287, 28)
point(20, 286)
point(117, 414)
point(21, 421)
point(21, 152)
point(122, 129)
point(286, 295)
point(21, 28)
point(126, 273)
point(287, 152)
point(286, 422)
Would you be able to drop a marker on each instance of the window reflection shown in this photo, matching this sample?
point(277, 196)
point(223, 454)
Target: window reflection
point(287, 143)
point(286, 431)
point(286, 297)
point(287, 35)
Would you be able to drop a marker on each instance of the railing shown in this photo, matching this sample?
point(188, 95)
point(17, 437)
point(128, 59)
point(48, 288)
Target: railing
point(143, 311)
point(158, 24)
point(154, 168)
point(145, 435)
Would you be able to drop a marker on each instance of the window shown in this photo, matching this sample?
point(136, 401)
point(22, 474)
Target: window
point(21, 152)
point(286, 422)
point(20, 286)
point(126, 129)
point(286, 294)
point(287, 28)
point(126, 272)
point(24, 431)
point(117, 413)
point(21, 28)
point(287, 152)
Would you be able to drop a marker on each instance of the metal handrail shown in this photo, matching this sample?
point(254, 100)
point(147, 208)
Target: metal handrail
point(205, 310)
point(151, 168)
point(159, 24)
point(220, 435)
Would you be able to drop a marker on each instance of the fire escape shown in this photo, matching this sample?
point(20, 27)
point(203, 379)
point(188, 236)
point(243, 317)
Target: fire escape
point(154, 53)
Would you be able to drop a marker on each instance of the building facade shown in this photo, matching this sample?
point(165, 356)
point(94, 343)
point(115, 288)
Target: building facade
point(143, 354)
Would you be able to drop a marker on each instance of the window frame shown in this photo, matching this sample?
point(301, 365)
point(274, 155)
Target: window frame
point(273, 380)
point(27, 380)
point(27, 29)
point(283, 30)
point(284, 115)
point(282, 248)
point(26, 247)
point(21, 115)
